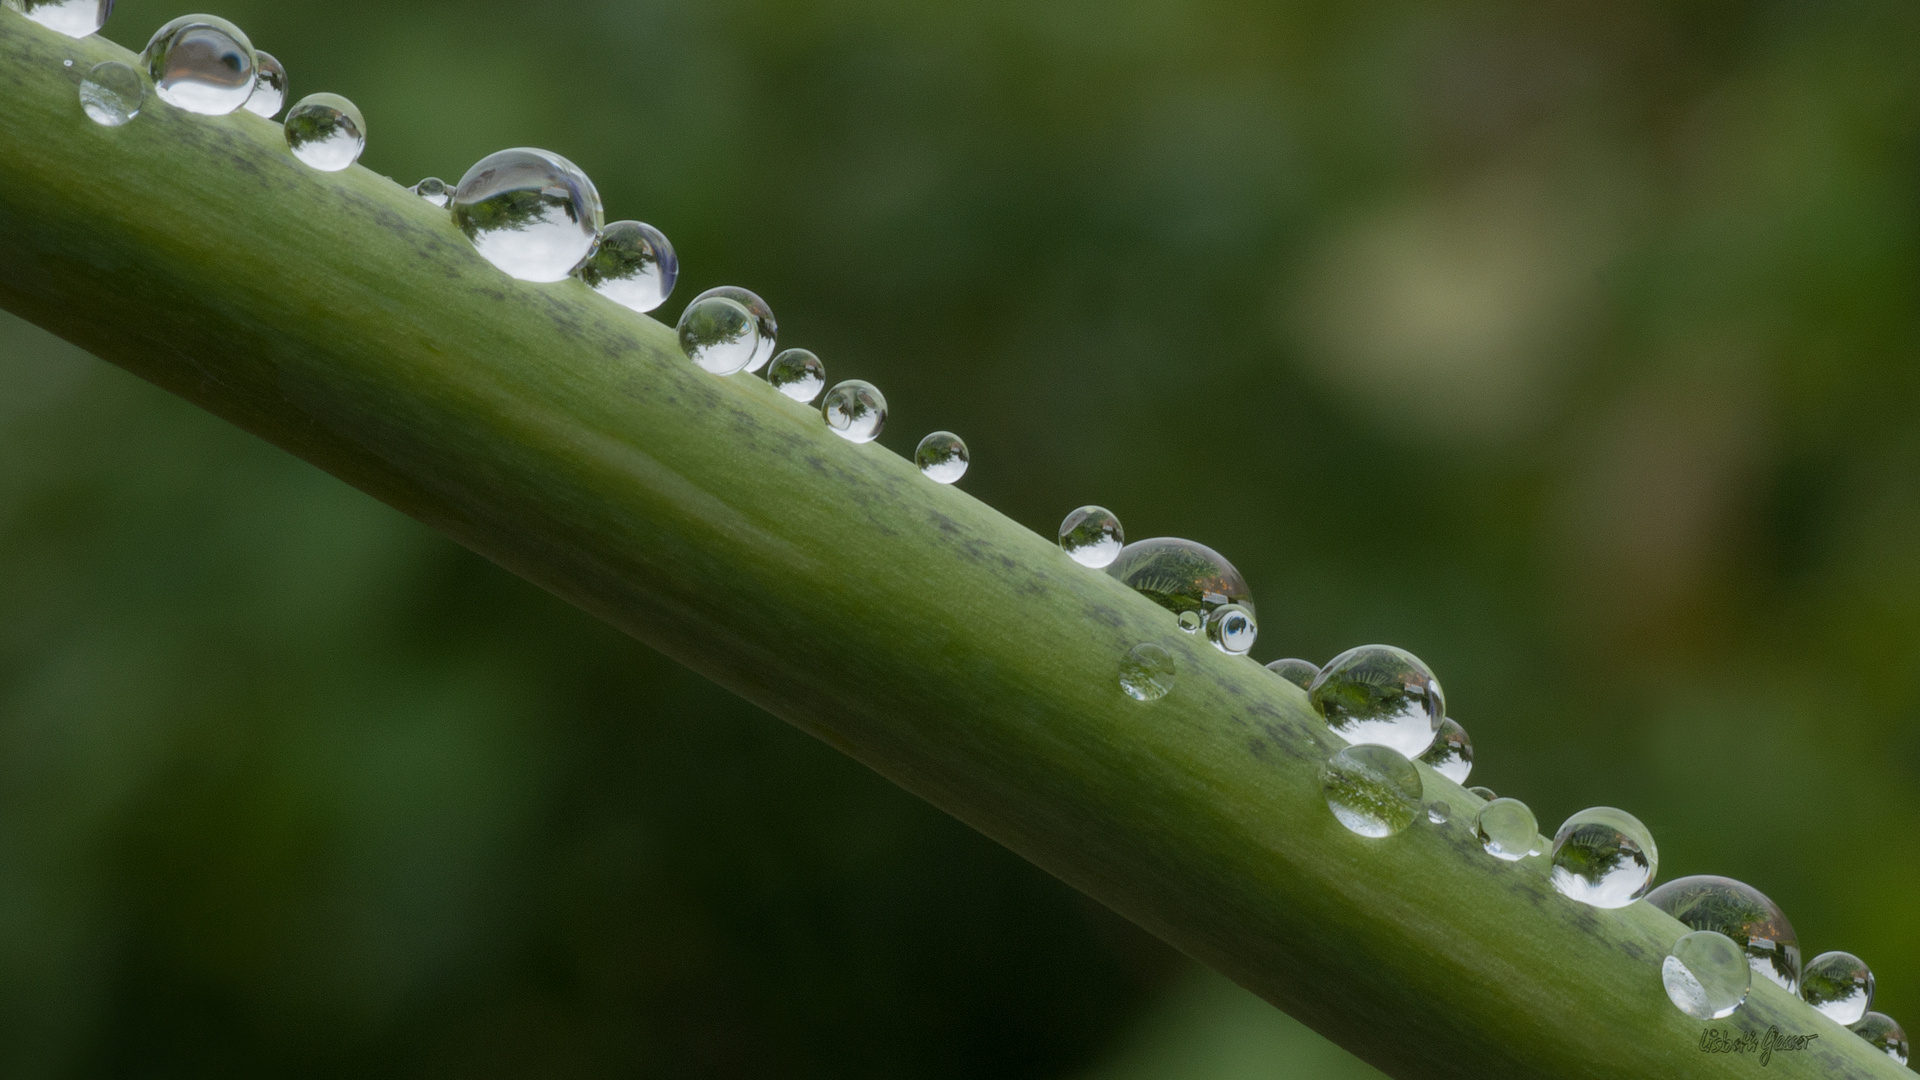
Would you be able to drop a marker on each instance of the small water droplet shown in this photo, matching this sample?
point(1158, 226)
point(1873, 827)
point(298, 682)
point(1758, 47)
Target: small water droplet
point(1438, 812)
point(942, 457)
point(326, 132)
point(1483, 792)
point(1743, 913)
point(1839, 984)
point(201, 63)
point(1451, 754)
point(1604, 857)
point(1190, 622)
point(74, 18)
point(855, 410)
point(1092, 537)
point(111, 93)
point(66, 63)
point(1383, 695)
point(763, 323)
point(1180, 575)
point(1298, 672)
point(1232, 630)
point(1706, 975)
point(1146, 672)
point(717, 334)
point(1372, 790)
point(633, 266)
point(531, 213)
point(798, 374)
point(1539, 846)
point(269, 85)
point(1885, 1035)
point(434, 190)
point(1506, 828)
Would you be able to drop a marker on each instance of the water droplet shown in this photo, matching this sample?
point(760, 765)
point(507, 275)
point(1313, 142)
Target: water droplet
point(1382, 695)
point(1372, 790)
point(1451, 754)
point(1539, 847)
point(111, 93)
point(1190, 622)
point(1604, 857)
point(1838, 984)
point(74, 18)
point(325, 132)
point(269, 85)
point(717, 334)
point(1231, 629)
point(434, 190)
point(633, 266)
point(1092, 537)
point(1706, 975)
point(1298, 672)
point(1180, 575)
point(201, 63)
point(1741, 912)
point(942, 457)
point(1438, 813)
point(763, 323)
point(798, 374)
point(855, 410)
point(1886, 1036)
point(1483, 792)
point(531, 213)
point(66, 63)
point(1507, 829)
point(1146, 672)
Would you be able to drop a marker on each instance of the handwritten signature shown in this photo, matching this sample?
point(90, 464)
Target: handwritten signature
point(1764, 1043)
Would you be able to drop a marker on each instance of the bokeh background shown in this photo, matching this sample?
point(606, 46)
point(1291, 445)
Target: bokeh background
point(1571, 345)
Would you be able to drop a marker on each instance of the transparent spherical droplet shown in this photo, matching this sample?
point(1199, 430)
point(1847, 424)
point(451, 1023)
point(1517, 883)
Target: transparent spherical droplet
point(1451, 754)
point(763, 323)
point(201, 63)
point(1539, 847)
point(1743, 913)
point(1604, 857)
point(633, 266)
point(1300, 673)
point(326, 132)
point(942, 457)
point(74, 18)
point(1483, 792)
point(531, 213)
point(1706, 975)
point(1506, 828)
point(1839, 984)
point(434, 190)
point(1146, 672)
point(1884, 1034)
point(1092, 537)
point(269, 85)
point(717, 334)
point(1382, 695)
point(1439, 813)
point(1180, 575)
point(1190, 622)
point(1231, 629)
point(798, 374)
point(1371, 790)
point(111, 93)
point(855, 410)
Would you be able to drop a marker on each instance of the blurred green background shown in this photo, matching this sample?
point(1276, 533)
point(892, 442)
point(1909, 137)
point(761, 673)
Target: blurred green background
point(1569, 345)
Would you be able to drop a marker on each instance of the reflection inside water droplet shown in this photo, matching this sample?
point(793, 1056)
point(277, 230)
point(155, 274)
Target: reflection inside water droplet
point(269, 86)
point(1706, 975)
point(111, 93)
point(1371, 790)
point(1146, 672)
point(798, 374)
point(326, 132)
point(1380, 695)
point(1506, 828)
point(202, 64)
point(1231, 629)
point(764, 327)
point(1451, 754)
point(532, 213)
point(1438, 813)
point(855, 410)
point(1298, 672)
point(1885, 1035)
point(434, 190)
point(1181, 576)
point(74, 18)
point(1092, 537)
point(942, 457)
point(634, 266)
point(1742, 913)
point(1839, 984)
point(1604, 857)
point(717, 334)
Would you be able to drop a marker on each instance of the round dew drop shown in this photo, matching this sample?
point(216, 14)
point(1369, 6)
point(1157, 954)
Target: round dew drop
point(1839, 984)
point(1231, 629)
point(1190, 622)
point(855, 410)
point(1381, 695)
point(798, 374)
point(1181, 576)
point(1298, 672)
point(531, 213)
point(1438, 812)
point(1485, 793)
point(1507, 829)
point(201, 63)
point(1371, 790)
point(1451, 754)
point(269, 86)
point(434, 190)
point(1884, 1035)
point(326, 132)
point(633, 266)
point(1741, 912)
point(74, 18)
point(1706, 975)
point(718, 335)
point(1092, 537)
point(1146, 672)
point(763, 323)
point(111, 93)
point(1604, 857)
point(942, 457)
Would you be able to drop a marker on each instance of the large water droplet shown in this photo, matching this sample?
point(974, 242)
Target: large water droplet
point(1741, 912)
point(1506, 828)
point(798, 374)
point(942, 457)
point(855, 410)
point(763, 323)
point(1382, 695)
point(1146, 672)
point(201, 63)
point(1372, 790)
point(434, 190)
point(634, 266)
point(1092, 537)
point(1884, 1034)
point(269, 85)
point(717, 334)
point(1300, 673)
point(74, 18)
point(531, 213)
point(1232, 630)
point(1180, 575)
point(1839, 984)
point(1451, 754)
point(1706, 975)
point(326, 132)
point(1604, 857)
point(111, 93)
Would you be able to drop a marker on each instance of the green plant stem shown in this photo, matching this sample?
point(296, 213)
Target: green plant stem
point(905, 623)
